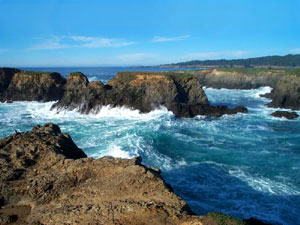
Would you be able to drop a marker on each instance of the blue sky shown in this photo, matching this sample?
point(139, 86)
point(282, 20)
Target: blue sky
point(147, 32)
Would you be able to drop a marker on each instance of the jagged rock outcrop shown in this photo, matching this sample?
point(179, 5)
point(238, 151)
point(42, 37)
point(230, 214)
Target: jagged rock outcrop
point(17, 85)
point(182, 95)
point(6, 75)
point(244, 79)
point(287, 93)
point(285, 114)
point(46, 179)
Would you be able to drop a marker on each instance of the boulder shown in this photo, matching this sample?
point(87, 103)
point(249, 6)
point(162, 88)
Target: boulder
point(285, 114)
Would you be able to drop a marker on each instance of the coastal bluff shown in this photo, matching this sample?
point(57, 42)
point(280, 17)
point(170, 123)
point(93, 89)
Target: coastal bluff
point(178, 92)
point(19, 85)
point(46, 179)
point(285, 83)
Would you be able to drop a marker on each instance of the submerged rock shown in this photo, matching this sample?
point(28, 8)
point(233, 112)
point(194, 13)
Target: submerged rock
point(183, 95)
point(46, 179)
point(285, 114)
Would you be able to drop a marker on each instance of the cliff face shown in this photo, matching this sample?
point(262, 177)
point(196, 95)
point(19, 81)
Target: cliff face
point(142, 92)
point(244, 79)
point(6, 74)
point(30, 86)
point(46, 179)
point(182, 95)
point(287, 93)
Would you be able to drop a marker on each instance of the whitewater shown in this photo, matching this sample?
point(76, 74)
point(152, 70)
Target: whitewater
point(244, 165)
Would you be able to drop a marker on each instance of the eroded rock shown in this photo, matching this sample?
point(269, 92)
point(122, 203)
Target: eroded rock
point(183, 95)
point(285, 114)
point(287, 93)
point(17, 85)
point(57, 184)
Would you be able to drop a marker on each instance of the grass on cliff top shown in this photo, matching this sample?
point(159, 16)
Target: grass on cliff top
point(253, 71)
point(35, 72)
point(256, 71)
point(222, 219)
point(295, 71)
point(126, 77)
point(76, 73)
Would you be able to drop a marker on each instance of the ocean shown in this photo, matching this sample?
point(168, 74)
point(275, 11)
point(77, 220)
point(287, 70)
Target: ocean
point(244, 165)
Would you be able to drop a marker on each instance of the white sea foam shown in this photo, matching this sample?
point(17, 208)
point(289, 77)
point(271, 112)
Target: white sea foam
point(114, 151)
point(264, 184)
point(42, 110)
point(94, 78)
point(261, 91)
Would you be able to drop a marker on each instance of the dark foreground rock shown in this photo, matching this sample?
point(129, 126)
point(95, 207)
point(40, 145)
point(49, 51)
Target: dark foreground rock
point(183, 95)
point(17, 85)
point(46, 179)
point(285, 114)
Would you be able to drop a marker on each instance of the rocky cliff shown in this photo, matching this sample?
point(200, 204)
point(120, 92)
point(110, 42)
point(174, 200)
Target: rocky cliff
point(239, 78)
point(17, 85)
point(46, 179)
point(287, 93)
point(181, 94)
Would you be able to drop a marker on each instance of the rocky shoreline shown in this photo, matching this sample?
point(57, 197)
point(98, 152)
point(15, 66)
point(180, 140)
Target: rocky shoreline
point(179, 91)
point(47, 179)
point(285, 83)
point(181, 94)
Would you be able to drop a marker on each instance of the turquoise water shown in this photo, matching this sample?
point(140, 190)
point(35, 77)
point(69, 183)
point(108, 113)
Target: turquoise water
point(242, 165)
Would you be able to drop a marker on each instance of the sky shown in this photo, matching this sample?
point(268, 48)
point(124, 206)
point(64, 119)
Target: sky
point(45, 33)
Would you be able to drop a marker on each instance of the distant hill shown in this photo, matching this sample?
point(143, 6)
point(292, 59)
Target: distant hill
point(275, 61)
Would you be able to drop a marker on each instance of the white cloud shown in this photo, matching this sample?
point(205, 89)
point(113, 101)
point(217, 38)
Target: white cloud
point(215, 55)
point(49, 44)
point(79, 42)
point(167, 39)
point(94, 42)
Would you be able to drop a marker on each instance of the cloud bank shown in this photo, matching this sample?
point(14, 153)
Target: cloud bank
point(61, 42)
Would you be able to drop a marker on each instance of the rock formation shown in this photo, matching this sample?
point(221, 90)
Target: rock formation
point(239, 78)
point(17, 85)
point(287, 93)
point(285, 114)
point(182, 95)
point(46, 179)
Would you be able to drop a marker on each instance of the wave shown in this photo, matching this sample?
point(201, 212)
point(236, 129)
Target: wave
point(42, 110)
point(94, 78)
point(114, 151)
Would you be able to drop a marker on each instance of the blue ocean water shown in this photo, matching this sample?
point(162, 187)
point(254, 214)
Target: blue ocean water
point(243, 165)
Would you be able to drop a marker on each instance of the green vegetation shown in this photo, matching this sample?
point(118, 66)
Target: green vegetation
point(126, 77)
point(76, 73)
point(295, 71)
point(245, 70)
point(277, 61)
point(35, 72)
point(223, 219)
